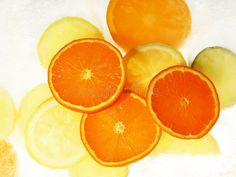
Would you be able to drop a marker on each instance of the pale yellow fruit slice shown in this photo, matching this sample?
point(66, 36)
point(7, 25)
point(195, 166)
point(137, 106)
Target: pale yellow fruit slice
point(87, 167)
point(168, 144)
point(7, 113)
point(8, 160)
point(52, 136)
point(219, 64)
point(30, 102)
point(145, 61)
point(60, 33)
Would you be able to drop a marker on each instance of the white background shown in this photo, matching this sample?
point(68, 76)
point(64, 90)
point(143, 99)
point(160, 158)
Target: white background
point(21, 25)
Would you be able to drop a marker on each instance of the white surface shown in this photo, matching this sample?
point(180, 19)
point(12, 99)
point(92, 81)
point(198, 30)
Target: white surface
point(22, 23)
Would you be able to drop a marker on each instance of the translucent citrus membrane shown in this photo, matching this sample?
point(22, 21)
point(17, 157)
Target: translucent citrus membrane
point(87, 167)
point(8, 160)
point(7, 113)
point(219, 64)
point(52, 136)
point(145, 61)
point(30, 102)
point(168, 144)
point(60, 33)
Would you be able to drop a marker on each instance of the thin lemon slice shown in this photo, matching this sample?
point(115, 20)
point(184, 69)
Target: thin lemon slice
point(145, 61)
point(168, 144)
point(7, 113)
point(219, 64)
point(30, 102)
point(52, 136)
point(8, 160)
point(60, 33)
point(87, 167)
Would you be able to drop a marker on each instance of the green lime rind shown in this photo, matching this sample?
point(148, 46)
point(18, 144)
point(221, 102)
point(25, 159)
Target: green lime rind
point(219, 64)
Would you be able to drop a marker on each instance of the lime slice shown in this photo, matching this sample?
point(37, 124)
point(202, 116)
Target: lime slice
point(145, 61)
point(60, 33)
point(52, 136)
point(219, 64)
point(7, 113)
point(87, 167)
point(8, 160)
point(30, 102)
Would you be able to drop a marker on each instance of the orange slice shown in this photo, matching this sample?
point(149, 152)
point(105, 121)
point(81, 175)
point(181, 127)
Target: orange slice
point(8, 160)
point(136, 22)
point(145, 61)
point(123, 133)
point(87, 75)
point(184, 102)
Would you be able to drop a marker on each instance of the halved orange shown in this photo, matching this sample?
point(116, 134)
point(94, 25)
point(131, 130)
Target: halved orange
point(184, 102)
point(123, 133)
point(8, 160)
point(134, 22)
point(87, 75)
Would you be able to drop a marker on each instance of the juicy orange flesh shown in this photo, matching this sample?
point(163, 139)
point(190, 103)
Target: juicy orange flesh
point(166, 21)
point(86, 73)
point(138, 130)
point(183, 102)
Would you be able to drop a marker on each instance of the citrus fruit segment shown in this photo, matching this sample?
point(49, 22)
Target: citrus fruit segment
point(132, 23)
point(145, 61)
point(87, 75)
point(219, 64)
point(30, 102)
point(8, 160)
point(52, 135)
point(123, 133)
point(7, 113)
point(184, 102)
point(60, 33)
point(87, 167)
point(168, 144)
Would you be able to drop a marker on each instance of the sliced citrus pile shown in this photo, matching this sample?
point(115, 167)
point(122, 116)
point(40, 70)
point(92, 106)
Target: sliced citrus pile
point(60, 33)
point(30, 102)
point(87, 75)
point(121, 134)
point(145, 61)
point(8, 160)
point(168, 144)
point(7, 113)
point(219, 64)
point(184, 102)
point(137, 22)
point(52, 135)
point(87, 167)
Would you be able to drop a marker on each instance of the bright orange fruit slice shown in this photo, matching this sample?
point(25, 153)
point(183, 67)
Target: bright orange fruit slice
point(8, 160)
point(123, 133)
point(145, 61)
point(134, 22)
point(184, 102)
point(87, 75)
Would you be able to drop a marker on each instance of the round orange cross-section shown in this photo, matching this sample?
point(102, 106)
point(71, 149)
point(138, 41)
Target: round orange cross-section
point(184, 102)
point(87, 75)
point(123, 133)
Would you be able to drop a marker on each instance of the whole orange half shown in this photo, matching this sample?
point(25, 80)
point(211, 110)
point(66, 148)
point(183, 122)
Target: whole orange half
point(123, 133)
point(184, 102)
point(87, 75)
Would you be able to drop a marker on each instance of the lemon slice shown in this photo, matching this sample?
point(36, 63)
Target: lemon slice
point(60, 33)
point(87, 167)
point(145, 61)
point(8, 160)
point(30, 102)
point(52, 136)
point(7, 113)
point(219, 64)
point(168, 144)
